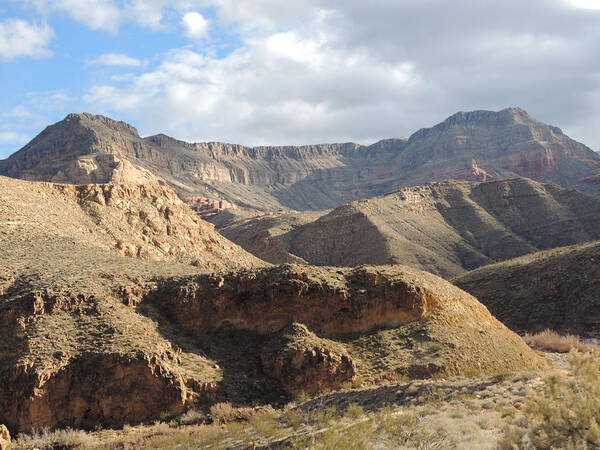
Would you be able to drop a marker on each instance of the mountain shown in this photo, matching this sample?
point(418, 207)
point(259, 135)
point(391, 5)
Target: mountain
point(476, 146)
point(557, 289)
point(444, 228)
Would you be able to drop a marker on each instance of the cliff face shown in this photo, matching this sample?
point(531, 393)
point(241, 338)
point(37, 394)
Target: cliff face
point(477, 146)
point(88, 337)
point(444, 228)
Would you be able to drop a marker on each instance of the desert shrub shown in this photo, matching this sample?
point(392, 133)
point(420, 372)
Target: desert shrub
point(354, 411)
point(567, 415)
point(223, 412)
point(191, 417)
point(552, 341)
point(44, 438)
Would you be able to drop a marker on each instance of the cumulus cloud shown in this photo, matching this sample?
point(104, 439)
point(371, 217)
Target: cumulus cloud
point(19, 38)
point(196, 26)
point(95, 14)
point(115, 60)
point(323, 70)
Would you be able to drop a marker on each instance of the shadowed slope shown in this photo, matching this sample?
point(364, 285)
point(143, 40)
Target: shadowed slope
point(557, 289)
point(444, 228)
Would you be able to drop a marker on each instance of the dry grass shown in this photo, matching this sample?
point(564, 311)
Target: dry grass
point(552, 341)
point(44, 438)
point(567, 414)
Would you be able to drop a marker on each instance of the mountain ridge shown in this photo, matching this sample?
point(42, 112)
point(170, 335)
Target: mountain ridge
point(443, 228)
point(474, 146)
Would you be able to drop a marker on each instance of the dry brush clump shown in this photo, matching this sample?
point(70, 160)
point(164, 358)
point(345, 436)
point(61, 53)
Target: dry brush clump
point(567, 414)
point(552, 341)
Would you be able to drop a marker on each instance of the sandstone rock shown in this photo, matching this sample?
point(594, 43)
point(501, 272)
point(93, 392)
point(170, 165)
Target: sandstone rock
point(476, 146)
point(4, 438)
point(305, 363)
point(206, 207)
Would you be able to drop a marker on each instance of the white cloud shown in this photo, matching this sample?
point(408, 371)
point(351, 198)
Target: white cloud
point(286, 88)
point(95, 14)
point(22, 39)
point(586, 4)
point(115, 59)
point(12, 137)
point(196, 26)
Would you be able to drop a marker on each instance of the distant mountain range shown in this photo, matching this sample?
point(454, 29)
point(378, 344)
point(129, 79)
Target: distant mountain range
point(473, 146)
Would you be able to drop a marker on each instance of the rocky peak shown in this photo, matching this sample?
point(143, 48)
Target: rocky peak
point(94, 121)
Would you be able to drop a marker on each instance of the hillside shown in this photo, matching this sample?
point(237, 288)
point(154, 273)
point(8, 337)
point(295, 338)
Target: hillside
point(476, 146)
point(145, 221)
point(557, 289)
point(444, 228)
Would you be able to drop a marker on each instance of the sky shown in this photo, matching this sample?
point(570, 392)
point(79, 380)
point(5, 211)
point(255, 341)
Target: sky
point(279, 72)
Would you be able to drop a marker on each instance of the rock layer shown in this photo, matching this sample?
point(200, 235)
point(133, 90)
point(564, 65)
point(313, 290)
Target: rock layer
point(476, 146)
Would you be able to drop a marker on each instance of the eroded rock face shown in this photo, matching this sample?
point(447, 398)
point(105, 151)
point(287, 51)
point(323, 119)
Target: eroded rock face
point(91, 389)
point(304, 363)
point(328, 300)
point(420, 324)
point(134, 220)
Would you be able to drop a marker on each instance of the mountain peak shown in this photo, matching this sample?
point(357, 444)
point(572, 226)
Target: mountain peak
point(96, 121)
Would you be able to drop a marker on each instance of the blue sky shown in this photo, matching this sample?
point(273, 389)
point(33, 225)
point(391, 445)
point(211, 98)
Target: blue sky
point(308, 71)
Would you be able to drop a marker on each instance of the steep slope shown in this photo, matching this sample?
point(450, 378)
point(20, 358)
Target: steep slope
point(444, 228)
point(478, 146)
point(147, 221)
point(557, 289)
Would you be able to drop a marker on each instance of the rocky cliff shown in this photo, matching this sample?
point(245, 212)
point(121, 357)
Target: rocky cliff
point(444, 228)
point(478, 146)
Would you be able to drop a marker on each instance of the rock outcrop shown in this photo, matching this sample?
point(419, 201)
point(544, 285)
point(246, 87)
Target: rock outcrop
point(148, 221)
point(304, 363)
point(476, 146)
point(89, 337)
point(407, 313)
point(206, 207)
point(445, 228)
point(557, 289)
